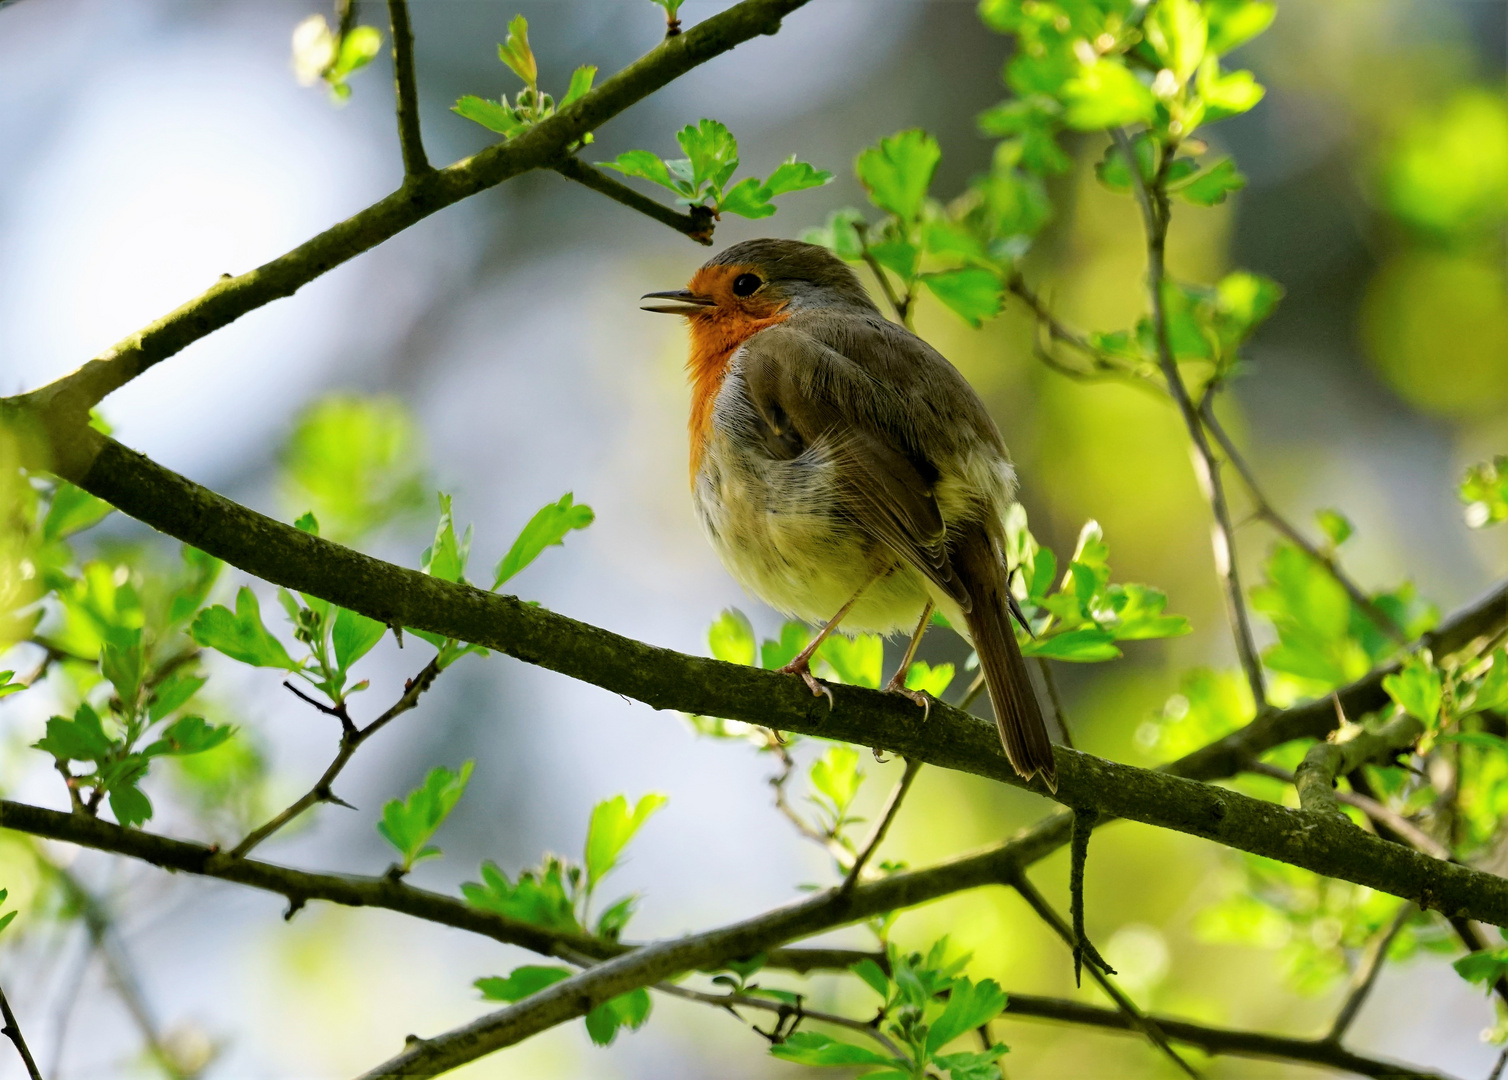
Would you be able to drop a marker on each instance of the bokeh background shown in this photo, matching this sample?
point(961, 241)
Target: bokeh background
point(147, 146)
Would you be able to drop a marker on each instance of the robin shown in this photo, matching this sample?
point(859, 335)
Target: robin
point(845, 472)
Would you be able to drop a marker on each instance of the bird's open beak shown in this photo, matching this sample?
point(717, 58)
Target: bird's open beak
point(686, 302)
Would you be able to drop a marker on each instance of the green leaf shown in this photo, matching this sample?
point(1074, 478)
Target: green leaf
point(173, 693)
point(539, 897)
point(129, 805)
point(778, 652)
point(515, 52)
point(897, 171)
point(731, 638)
point(123, 663)
point(814, 1048)
point(8, 916)
point(1227, 95)
point(1484, 490)
point(792, 175)
point(972, 1064)
point(643, 164)
point(189, 735)
point(1084, 645)
point(408, 824)
point(1417, 690)
point(581, 85)
point(969, 1006)
point(611, 827)
point(857, 661)
point(1336, 526)
point(357, 49)
point(838, 235)
point(521, 982)
point(747, 198)
point(188, 598)
point(837, 775)
point(899, 256)
point(357, 462)
point(1106, 94)
point(1177, 32)
point(933, 680)
point(354, 635)
point(1484, 967)
point(7, 687)
point(496, 116)
point(446, 557)
point(873, 976)
point(1115, 173)
point(974, 294)
point(1212, 184)
point(72, 510)
point(630, 1010)
point(670, 6)
point(242, 636)
point(546, 528)
point(712, 152)
point(82, 738)
point(1232, 23)
point(1492, 691)
point(614, 920)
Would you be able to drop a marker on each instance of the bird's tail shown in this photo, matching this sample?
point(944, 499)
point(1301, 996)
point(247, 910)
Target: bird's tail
point(1017, 713)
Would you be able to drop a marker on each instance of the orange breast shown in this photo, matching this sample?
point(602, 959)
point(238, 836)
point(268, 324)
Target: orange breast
point(716, 335)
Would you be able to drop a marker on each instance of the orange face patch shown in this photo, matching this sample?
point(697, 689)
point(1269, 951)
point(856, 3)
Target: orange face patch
point(716, 333)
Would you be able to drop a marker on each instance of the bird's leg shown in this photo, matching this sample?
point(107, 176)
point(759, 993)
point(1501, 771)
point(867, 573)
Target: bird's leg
point(897, 683)
point(802, 664)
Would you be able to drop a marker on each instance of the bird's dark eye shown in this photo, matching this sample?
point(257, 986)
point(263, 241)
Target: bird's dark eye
point(746, 284)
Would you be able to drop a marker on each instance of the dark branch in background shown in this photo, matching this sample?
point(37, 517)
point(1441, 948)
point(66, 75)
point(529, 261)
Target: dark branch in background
point(663, 679)
point(1365, 976)
point(12, 1031)
point(1264, 510)
point(1134, 1016)
point(415, 163)
point(1155, 214)
point(1214, 1040)
point(541, 146)
point(882, 826)
point(351, 739)
point(697, 224)
point(103, 940)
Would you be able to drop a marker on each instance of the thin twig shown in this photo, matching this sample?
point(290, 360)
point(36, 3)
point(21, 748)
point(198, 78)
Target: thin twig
point(415, 163)
point(350, 741)
point(747, 1001)
point(697, 224)
point(103, 940)
point(12, 1031)
point(1365, 976)
point(1059, 713)
point(1262, 507)
point(1155, 216)
point(1022, 884)
point(1215, 1040)
point(899, 306)
point(882, 826)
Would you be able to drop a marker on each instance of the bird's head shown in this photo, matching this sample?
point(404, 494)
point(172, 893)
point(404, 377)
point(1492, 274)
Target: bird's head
point(760, 280)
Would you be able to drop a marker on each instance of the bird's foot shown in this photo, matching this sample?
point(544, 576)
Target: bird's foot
point(897, 685)
point(802, 666)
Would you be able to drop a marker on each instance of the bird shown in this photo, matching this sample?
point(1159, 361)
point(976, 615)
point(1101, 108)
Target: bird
point(846, 473)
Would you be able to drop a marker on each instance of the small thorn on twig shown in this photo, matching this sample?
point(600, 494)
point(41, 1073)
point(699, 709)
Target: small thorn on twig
point(295, 905)
point(326, 795)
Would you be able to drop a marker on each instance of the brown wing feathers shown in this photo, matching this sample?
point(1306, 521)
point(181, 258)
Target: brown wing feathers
point(808, 392)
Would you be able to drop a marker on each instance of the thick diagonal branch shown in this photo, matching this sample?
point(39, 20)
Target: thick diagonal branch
point(666, 679)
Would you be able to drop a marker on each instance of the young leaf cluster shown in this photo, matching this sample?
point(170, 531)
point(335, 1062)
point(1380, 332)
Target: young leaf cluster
point(408, 824)
point(557, 896)
point(704, 177)
point(332, 56)
point(530, 105)
point(926, 1004)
